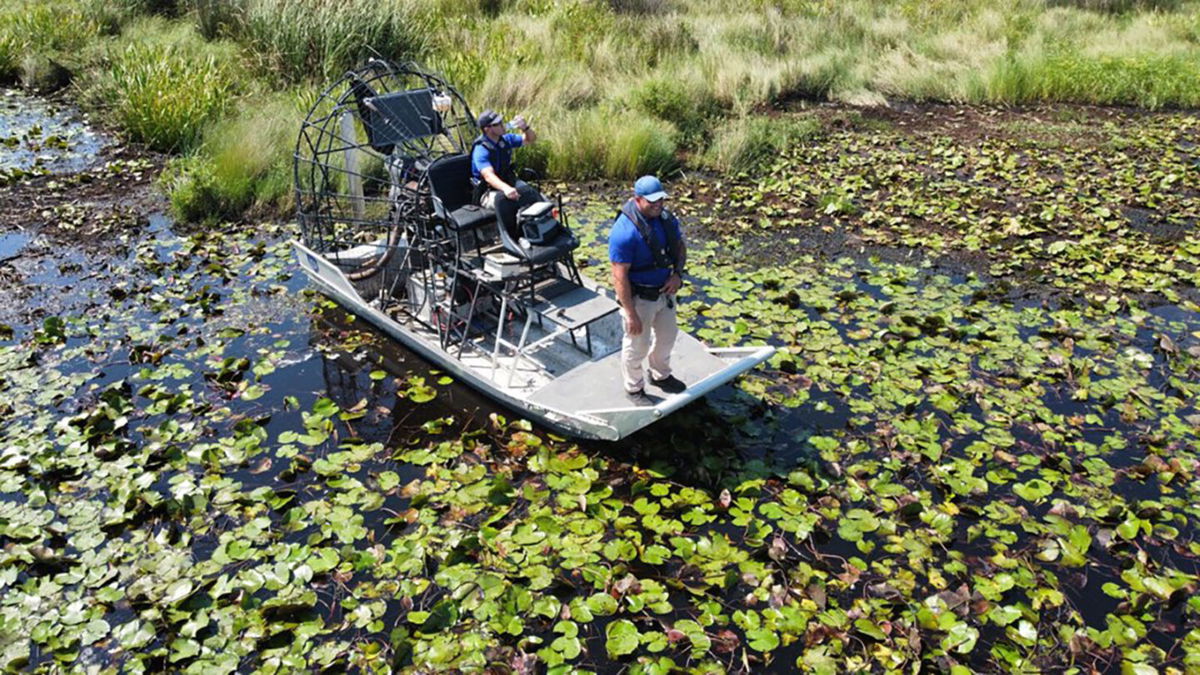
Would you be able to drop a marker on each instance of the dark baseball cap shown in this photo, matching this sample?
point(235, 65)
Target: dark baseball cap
point(489, 117)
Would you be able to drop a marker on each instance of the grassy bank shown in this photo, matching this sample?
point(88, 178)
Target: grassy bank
point(616, 87)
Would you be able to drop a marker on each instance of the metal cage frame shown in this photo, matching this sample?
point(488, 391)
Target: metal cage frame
point(365, 202)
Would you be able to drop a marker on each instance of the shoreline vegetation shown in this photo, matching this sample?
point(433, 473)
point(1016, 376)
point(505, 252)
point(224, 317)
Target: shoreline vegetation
point(617, 88)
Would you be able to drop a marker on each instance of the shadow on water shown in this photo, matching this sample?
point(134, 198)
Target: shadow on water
point(705, 444)
point(348, 362)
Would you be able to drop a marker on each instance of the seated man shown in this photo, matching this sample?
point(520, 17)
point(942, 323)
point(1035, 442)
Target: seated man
point(497, 185)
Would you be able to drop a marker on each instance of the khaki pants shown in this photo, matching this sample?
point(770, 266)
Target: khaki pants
point(659, 329)
point(491, 198)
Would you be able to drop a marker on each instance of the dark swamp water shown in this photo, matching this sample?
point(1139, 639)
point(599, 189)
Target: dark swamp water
point(205, 466)
point(37, 137)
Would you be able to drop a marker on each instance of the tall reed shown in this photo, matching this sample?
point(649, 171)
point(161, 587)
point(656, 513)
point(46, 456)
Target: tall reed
point(618, 86)
point(305, 40)
point(244, 163)
point(746, 142)
point(41, 42)
point(9, 51)
point(596, 143)
point(163, 88)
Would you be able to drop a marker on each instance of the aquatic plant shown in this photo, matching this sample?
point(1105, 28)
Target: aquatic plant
point(165, 93)
point(928, 474)
point(1039, 200)
point(976, 463)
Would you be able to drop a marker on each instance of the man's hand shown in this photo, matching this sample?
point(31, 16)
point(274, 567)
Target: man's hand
point(511, 193)
point(674, 282)
point(633, 324)
point(520, 123)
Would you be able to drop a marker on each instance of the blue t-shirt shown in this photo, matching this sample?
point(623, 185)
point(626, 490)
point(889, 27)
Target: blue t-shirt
point(625, 245)
point(481, 160)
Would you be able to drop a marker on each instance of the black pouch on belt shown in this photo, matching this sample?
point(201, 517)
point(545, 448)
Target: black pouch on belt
point(646, 292)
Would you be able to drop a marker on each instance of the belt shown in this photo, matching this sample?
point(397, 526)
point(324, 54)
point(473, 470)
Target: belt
point(650, 293)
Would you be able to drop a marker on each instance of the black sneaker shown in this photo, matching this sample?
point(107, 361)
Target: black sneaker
point(639, 397)
point(669, 384)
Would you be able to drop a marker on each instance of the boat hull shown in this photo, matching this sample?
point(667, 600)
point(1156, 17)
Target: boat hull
point(561, 403)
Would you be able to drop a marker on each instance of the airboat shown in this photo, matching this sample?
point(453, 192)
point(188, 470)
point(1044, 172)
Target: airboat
point(389, 229)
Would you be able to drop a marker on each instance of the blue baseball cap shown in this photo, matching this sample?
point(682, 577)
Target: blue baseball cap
point(648, 188)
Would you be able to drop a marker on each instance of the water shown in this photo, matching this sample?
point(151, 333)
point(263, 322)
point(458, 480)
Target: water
point(12, 244)
point(37, 136)
point(333, 356)
point(187, 304)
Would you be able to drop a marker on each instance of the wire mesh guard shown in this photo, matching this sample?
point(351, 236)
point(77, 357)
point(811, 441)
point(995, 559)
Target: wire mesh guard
point(362, 151)
point(362, 191)
point(383, 192)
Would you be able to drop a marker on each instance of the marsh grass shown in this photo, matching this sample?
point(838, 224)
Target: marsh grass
point(242, 166)
point(617, 86)
point(1151, 81)
point(215, 18)
point(303, 40)
point(41, 43)
point(684, 100)
point(595, 143)
point(1118, 6)
point(743, 143)
point(9, 51)
point(1012, 51)
point(50, 27)
point(164, 86)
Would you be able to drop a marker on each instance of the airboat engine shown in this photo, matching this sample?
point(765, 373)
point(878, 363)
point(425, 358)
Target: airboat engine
point(361, 173)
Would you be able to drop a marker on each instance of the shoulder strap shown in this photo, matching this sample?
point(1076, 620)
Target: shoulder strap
point(485, 142)
point(661, 254)
point(499, 165)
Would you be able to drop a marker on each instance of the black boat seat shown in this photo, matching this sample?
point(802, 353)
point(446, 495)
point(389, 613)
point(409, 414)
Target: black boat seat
point(451, 189)
point(538, 255)
point(534, 254)
point(450, 186)
point(471, 216)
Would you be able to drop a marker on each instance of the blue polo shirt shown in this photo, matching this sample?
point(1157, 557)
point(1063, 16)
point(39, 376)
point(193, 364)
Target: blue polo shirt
point(481, 159)
point(625, 245)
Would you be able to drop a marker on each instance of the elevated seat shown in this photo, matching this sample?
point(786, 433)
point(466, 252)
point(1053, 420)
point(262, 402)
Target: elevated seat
point(540, 255)
point(471, 216)
point(450, 187)
point(535, 254)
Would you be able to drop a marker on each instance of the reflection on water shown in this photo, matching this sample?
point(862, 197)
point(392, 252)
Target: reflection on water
point(12, 244)
point(37, 135)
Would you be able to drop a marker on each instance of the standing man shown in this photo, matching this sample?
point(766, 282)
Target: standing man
point(648, 256)
point(497, 186)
